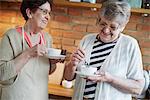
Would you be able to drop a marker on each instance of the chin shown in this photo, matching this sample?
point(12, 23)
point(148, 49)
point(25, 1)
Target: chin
point(106, 39)
point(42, 25)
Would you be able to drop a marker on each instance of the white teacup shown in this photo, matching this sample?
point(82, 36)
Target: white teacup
point(67, 84)
point(88, 70)
point(54, 52)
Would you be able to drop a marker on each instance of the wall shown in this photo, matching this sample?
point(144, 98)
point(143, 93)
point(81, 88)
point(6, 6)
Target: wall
point(68, 25)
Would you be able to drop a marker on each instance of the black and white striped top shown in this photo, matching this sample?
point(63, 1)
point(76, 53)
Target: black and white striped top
point(99, 53)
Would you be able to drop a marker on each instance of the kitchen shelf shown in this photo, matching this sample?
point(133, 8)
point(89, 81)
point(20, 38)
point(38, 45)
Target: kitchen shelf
point(76, 4)
point(97, 5)
point(85, 5)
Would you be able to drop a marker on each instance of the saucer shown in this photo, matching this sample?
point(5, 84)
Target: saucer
point(56, 57)
point(85, 75)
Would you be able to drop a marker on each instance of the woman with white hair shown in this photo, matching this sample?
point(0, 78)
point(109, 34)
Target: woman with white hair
point(116, 56)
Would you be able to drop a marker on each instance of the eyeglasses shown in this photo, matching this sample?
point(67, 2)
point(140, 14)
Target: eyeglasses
point(45, 12)
point(104, 25)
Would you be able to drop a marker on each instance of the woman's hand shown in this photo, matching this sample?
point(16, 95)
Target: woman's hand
point(101, 77)
point(122, 84)
point(24, 57)
point(37, 50)
point(77, 56)
point(71, 66)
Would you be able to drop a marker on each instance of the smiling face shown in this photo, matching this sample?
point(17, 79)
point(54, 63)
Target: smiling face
point(112, 19)
point(109, 30)
point(41, 16)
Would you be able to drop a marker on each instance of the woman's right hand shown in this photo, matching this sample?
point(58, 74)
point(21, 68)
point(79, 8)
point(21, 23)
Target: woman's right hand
point(24, 57)
point(70, 67)
point(77, 56)
point(37, 50)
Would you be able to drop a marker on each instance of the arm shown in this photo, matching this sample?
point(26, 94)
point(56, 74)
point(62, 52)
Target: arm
point(133, 81)
point(71, 66)
point(128, 85)
point(25, 56)
point(10, 65)
point(69, 71)
point(77, 56)
point(52, 68)
point(53, 64)
point(7, 69)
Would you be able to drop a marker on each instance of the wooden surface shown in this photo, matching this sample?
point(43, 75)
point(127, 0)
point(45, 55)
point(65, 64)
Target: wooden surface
point(141, 10)
point(97, 5)
point(59, 90)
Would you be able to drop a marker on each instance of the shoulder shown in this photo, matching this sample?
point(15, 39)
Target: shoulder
point(47, 36)
point(11, 32)
point(128, 39)
point(130, 43)
point(89, 36)
point(49, 39)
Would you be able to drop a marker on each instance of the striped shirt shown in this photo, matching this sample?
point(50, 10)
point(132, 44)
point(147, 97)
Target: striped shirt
point(99, 53)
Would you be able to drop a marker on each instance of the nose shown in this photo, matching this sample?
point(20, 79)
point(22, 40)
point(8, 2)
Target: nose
point(47, 17)
point(106, 29)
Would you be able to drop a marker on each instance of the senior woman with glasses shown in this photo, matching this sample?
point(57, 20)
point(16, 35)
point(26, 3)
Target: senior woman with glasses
point(23, 68)
point(116, 56)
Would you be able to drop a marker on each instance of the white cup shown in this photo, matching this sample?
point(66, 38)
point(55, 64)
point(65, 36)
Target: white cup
point(88, 70)
point(67, 84)
point(54, 52)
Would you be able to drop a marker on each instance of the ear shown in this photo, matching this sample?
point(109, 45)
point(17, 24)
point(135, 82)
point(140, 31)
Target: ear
point(28, 12)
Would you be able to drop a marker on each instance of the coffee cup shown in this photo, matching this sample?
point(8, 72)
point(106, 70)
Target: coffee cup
point(54, 52)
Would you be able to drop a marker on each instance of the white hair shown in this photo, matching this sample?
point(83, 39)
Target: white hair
point(113, 10)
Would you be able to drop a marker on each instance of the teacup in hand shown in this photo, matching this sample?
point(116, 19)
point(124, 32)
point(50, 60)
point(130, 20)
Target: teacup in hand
point(88, 70)
point(54, 52)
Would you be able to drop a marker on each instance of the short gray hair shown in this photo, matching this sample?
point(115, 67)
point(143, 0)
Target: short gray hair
point(113, 10)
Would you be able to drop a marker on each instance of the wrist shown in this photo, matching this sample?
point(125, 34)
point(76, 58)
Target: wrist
point(111, 80)
point(71, 65)
point(26, 55)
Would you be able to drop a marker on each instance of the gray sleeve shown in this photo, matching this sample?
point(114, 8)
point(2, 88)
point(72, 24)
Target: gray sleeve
point(7, 69)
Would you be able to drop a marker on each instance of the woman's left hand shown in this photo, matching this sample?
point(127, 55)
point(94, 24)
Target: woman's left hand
point(101, 77)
